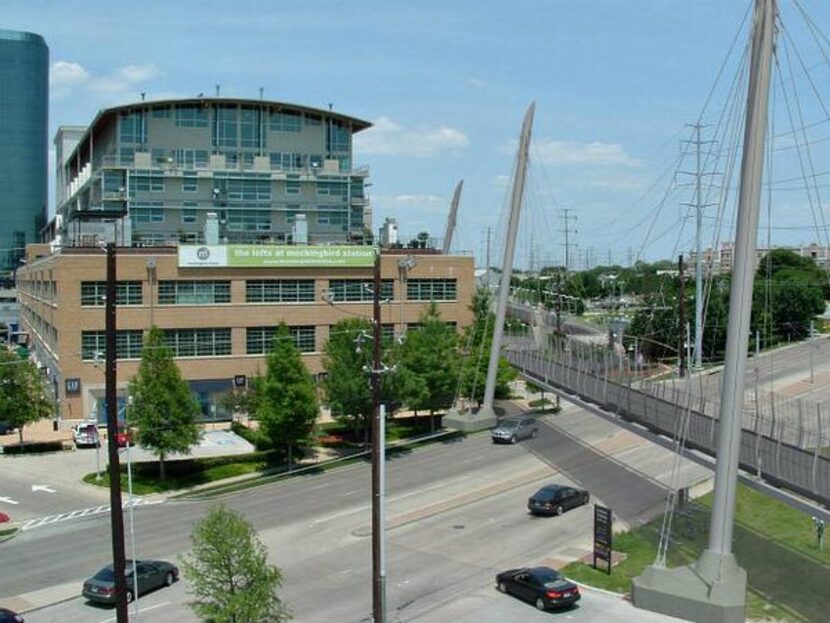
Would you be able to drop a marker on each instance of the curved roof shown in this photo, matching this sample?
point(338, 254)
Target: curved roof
point(357, 124)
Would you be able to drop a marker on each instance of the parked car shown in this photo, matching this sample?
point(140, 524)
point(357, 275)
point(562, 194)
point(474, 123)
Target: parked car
point(86, 435)
point(6, 428)
point(556, 499)
point(152, 574)
point(7, 616)
point(512, 429)
point(544, 587)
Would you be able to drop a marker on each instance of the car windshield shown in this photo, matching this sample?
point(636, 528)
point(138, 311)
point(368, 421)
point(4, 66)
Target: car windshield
point(509, 424)
point(548, 577)
point(548, 493)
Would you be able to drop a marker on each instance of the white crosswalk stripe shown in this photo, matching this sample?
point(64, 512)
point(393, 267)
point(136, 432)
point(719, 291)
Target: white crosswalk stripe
point(83, 512)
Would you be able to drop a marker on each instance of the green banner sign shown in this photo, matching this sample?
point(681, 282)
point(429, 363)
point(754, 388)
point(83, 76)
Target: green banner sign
point(275, 256)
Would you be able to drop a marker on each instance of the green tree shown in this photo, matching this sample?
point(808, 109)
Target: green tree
point(478, 340)
point(163, 407)
point(428, 364)
point(229, 573)
point(23, 396)
point(286, 398)
point(347, 356)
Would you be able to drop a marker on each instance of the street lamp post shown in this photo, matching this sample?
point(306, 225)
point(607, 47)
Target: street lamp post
point(378, 566)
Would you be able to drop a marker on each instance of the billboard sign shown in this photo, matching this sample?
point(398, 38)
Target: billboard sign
point(275, 256)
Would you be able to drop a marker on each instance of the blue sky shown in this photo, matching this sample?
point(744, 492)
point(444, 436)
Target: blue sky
point(446, 85)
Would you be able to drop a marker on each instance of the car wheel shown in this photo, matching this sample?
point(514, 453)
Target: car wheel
point(514, 439)
point(586, 499)
point(540, 603)
point(129, 596)
point(502, 587)
point(168, 579)
point(534, 433)
point(559, 510)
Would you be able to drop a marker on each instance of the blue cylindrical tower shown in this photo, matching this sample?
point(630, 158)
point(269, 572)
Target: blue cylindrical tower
point(24, 121)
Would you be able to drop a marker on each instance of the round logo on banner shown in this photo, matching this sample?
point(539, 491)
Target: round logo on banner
point(203, 253)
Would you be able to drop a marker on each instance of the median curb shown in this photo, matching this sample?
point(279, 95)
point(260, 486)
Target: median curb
point(44, 597)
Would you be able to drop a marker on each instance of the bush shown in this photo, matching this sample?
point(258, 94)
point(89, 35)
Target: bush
point(256, 438)
point(188, 467)
point(33, 447)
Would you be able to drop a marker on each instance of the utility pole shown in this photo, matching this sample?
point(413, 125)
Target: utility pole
point(566, 220)
point(487, 256)
point(119, 558)
point(698, 205)
point(681, 346)
point(378, 567)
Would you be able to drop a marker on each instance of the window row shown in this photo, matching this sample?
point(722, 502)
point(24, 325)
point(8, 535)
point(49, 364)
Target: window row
point(260, 340)
point(212, 292)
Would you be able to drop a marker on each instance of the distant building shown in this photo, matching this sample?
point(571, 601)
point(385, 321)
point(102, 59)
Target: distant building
point(719, 261)
point(24, 142)
point(149, 173)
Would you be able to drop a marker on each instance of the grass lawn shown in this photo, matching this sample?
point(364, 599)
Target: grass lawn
point(788, 577)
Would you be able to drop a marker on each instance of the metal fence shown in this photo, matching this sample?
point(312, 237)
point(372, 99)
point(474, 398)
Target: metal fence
point(782, 441)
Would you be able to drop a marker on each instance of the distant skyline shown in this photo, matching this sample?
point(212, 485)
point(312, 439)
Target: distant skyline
point(446, 85)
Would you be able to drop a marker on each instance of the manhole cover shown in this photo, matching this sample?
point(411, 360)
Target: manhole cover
point(459, 526)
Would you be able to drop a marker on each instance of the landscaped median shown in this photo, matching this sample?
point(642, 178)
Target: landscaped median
point(211, 476)
point(787, 574)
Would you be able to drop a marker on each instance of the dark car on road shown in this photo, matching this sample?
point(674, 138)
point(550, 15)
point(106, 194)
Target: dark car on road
point(152, 574)
point(6, 428)
point(7, 616)
point(512, 429)
point(556, 499)
point(544, 587)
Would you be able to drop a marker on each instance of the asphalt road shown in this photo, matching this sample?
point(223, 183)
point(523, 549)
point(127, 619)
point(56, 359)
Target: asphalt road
point(456, 515)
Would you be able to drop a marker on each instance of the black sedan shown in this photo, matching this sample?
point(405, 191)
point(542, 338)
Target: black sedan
point(152, 574)
point(544, 587)
point(556, 499)
point(7, 616)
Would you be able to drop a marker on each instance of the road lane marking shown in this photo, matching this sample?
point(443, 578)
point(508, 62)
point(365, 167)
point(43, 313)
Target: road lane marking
point(140, 610)
point(8, 501)
point(45, 488)
point(83, 512)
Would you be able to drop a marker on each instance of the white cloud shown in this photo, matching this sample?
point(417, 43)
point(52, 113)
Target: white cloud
point(386, 137)
point(476, 82)
point(501, 181)
point(409, 200)
point(65, 76)
point(573, 152)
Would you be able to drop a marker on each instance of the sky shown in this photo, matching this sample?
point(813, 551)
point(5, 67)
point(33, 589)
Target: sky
point(446, 84)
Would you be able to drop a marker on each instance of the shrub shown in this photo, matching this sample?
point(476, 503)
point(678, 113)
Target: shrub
point(33, 447)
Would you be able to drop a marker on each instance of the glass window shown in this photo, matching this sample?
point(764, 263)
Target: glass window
point(431, 289)
point(338, 138)
point(249, 220)
point(292, 187)
point(259, 340)
point(194, 292)
point(249, 127)
point(128, 344)
point(359, 290)
point(339, 190)
point(191, 158)
point(146, 181)
point(249, 189)
point(147, 215)
point(198, 342)
point(126, 293)
point(189, 215)
point(191, 117)
point(190, 183)
point(279, 291)
point(332, 217)
point(226, 126)
point(313, 119)
point(161, 112)
point(132, 128)
point(114, 181)
point(285, 121)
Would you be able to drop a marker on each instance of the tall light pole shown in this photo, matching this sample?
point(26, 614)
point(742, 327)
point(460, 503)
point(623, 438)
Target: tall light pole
point(119, 562)
point(378, 566)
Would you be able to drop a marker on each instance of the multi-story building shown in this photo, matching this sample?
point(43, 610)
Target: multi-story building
point(219, 307)
point(149, 173)
point(24, 110)
point(719, 261)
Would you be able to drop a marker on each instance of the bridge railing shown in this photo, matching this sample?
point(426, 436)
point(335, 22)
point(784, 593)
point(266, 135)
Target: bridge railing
point(782, 446)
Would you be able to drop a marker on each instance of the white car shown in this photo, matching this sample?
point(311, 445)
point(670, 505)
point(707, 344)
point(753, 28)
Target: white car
point(86, 435)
